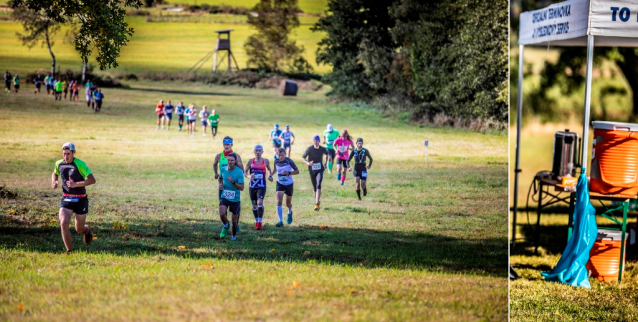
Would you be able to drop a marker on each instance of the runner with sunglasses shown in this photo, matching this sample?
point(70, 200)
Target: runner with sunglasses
point(220, 163)
point(315, 154)
point(360, 168)
point(256, 171)
point(231, 184)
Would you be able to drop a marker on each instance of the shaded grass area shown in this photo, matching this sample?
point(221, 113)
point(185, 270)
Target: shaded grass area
point(427, 243)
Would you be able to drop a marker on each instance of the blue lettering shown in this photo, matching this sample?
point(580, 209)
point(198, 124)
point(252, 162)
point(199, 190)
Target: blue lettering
point(626, 11)
point(613, 13)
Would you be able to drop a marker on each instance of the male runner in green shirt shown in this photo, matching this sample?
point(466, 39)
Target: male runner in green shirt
point(75, 177)
point(329, 137)
point(213, 120)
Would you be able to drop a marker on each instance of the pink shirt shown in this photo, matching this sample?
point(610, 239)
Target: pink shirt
point(341, 146)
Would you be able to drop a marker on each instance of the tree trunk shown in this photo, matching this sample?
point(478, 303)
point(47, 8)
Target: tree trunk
point(84, 72)
point(46, 35)
point(629, 68)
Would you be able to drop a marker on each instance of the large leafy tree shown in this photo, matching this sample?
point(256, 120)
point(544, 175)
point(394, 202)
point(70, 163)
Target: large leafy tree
point(38, 29)
point(101, 24)
point(271, 48)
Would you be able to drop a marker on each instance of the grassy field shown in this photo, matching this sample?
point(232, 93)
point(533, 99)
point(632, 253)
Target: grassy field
point(155, 46)
point(532, 299)
point(428, 243)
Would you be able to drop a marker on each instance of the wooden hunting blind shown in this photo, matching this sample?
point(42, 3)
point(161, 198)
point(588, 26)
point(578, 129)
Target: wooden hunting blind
point(223, 45)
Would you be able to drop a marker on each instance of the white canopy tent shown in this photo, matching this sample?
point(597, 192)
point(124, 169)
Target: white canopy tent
point(602, 23)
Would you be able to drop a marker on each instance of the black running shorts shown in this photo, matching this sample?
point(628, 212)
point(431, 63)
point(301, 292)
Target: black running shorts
point(80, 206)
point(288, 190)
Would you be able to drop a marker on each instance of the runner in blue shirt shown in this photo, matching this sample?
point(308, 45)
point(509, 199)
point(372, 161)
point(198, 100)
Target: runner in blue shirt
point(181, 110)
point(276, 142)
point(168, 113)
point(288, 139)
point(231, 184)
point(98, 97)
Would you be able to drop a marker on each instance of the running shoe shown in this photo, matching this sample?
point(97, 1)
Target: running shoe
point(316, 207)
point(279, 224)
point(341, 183)
point(223, 233)
point(88, 237)
point(258, 226)
point(289, 220)
point(233, 238)
point(338, 176)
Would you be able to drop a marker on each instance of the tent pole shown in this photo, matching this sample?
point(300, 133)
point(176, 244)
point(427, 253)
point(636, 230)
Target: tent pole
point(590, 63)
point(519, 112)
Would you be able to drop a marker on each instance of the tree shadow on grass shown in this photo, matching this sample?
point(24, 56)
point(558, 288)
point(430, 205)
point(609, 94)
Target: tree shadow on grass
point(333, 245)
point(181, 92)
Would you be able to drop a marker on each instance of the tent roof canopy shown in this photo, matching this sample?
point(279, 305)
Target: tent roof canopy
point(613, 23)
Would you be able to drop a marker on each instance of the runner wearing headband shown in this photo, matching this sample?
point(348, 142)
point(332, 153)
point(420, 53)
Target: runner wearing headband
point(329, 137)
point(285, 168)
point(360, 169)
point(221, 163)
point(256, 171)
point(315, 154)
point(231, 184)
point(75, 177)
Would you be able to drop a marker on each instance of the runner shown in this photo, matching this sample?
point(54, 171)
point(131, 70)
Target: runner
point(98, 99)
point(213, 120)
point(38, 84)
point(71, 83)
point(7, 82)
point(89, 94)
point(159, 109)
point(65, 88)
point(285, 137)
point(342, 146)
point(203, 116)
point(16, 83)
point(76, 90)
point(75, 176)
point(47, 83)
point(315, 154)
point(168, 114)
point(256, 171)
point(231, 184)
point(360, 169)
point(58, 90)
point(180, 114)
point(285, 168)
point(192, 117)
point(276, 142)
point(329, 137)
point(221, 163)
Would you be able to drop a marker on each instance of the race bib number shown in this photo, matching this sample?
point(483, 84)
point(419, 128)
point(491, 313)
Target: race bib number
point(71, 199)
point(258, 176)
point(316, 166)
point(283, 178)
point(343, 148)
point(330, 141)
point(364, 174)
point(228, 194)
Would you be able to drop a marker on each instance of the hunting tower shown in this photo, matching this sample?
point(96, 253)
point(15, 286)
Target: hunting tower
point(223, 45)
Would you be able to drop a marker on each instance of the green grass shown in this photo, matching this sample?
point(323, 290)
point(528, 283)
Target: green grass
point(428, 243)
point(307, 6)
point(155, 46)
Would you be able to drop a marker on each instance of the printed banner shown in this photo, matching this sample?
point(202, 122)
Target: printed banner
point(560, 21)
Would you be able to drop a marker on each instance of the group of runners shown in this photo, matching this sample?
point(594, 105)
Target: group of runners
point(186, 114)
point(59, 88)
point(230, 173)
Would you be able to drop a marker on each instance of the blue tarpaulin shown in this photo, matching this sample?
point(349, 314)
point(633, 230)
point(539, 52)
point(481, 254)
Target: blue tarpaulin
point(571, 266)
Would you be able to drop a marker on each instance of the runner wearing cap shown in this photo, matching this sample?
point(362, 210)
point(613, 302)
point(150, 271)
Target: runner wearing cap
point(329, 137)
point(285, 168)
point(288, 139)
point(343, 145)
point(315, 154)
point(276, 142)
point(75, 177)
point(360, 168)
point(159, 109)
point(231, 184)
point(256, 171)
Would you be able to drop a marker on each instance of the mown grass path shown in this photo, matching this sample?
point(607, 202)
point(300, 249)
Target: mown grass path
point(428, 243)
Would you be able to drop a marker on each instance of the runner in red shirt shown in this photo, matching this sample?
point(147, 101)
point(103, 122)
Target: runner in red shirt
point(159, 109)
